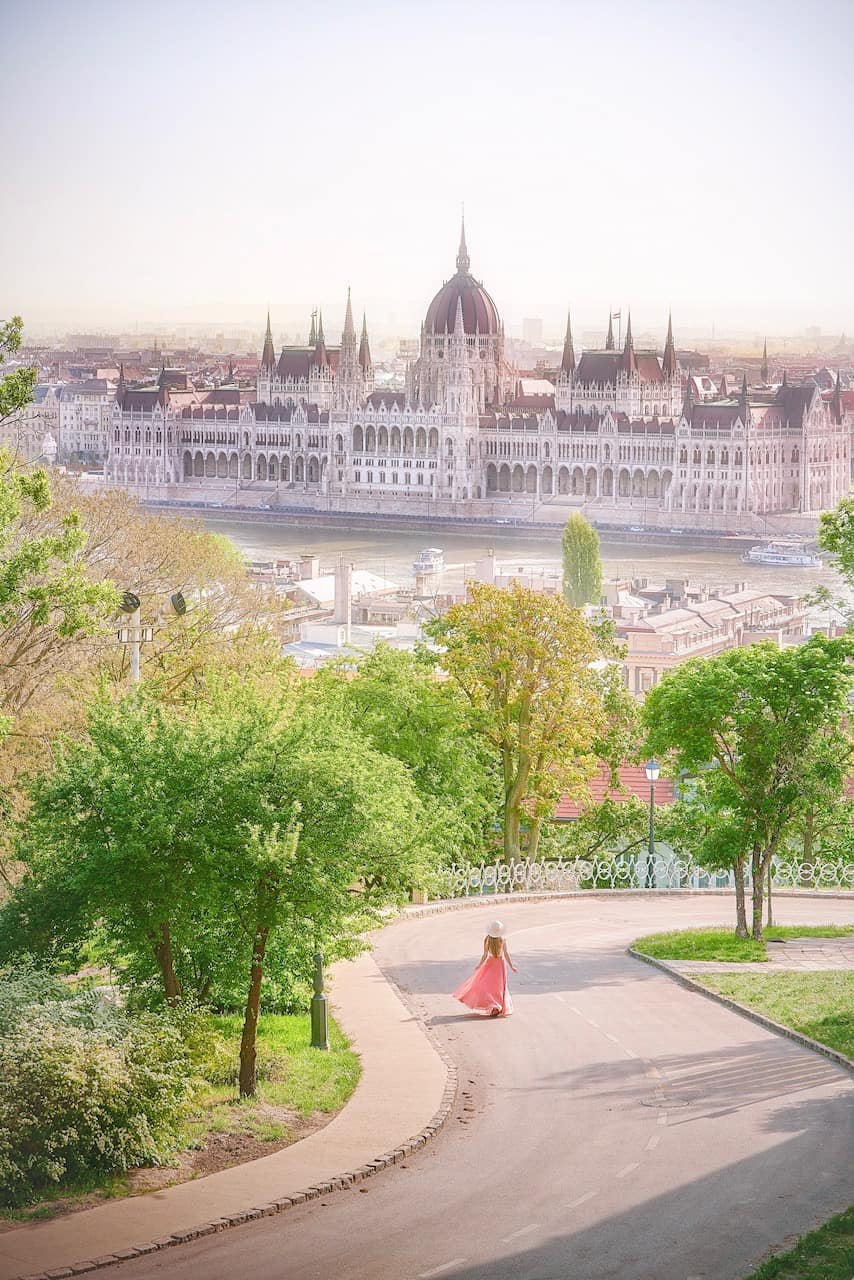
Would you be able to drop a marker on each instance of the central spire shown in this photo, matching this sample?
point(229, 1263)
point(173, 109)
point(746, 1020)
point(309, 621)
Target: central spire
point(462, 252)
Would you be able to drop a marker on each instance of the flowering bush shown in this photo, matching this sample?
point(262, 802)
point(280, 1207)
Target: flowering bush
point(85, 1088)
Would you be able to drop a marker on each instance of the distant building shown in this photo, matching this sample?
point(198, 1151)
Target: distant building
point(25, 432)
point(85, 419)
point(615, 430)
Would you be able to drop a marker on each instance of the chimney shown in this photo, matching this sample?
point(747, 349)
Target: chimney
point(343, 597)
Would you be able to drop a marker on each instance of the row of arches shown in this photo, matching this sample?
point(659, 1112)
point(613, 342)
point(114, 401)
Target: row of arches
point(370, 440)
point(270, 468)
point(577, 482)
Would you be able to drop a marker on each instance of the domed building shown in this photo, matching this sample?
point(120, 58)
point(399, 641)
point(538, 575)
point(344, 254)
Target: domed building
point(462, 309)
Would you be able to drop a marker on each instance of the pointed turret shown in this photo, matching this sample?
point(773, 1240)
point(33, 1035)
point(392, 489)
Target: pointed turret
point(459, 326)
point(764, 367)
point(120, 385)
point(629, 362)
point(567, 364)
point(742, 399)
point(785, 381)
point(462, 252)
point(837, 398)
point(364, 348)
point(609, 341)
point(669, 365)
point(348, 334)
point(268, 355)
point(312, 337)
point(163, 386)
point(321, 359)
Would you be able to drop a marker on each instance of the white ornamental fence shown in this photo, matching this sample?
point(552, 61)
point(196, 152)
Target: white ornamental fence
point(635, 872)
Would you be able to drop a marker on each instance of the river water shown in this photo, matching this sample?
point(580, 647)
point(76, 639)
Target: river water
point(390, 554)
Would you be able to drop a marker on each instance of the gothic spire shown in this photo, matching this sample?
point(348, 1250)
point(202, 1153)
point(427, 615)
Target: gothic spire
point(364, 349)
point(567, 364)
point(349, 333)
point(609, 341)
point(669, 365)
point(629, 362)
point(459, 326)
point(320, 357)
point(462, 252)
point(742, 400)
point(837, 398)
point(764, 369)
point(312, 337)
point(268, 355)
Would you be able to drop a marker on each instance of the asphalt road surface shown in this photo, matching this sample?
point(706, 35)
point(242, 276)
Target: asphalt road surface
point(617, 1125)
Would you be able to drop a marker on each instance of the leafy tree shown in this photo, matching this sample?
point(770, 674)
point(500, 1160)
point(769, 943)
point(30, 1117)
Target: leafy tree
point(396, 700)
point(758, 716)
point(582, 565)
point(533, 671)
point(836, 535)
point(16, 387)
point(188, 837)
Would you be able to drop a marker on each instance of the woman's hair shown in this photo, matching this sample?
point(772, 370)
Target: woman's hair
point(494, 945)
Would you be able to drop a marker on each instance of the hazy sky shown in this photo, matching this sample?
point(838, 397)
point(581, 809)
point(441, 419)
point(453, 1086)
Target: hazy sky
point(196, 159)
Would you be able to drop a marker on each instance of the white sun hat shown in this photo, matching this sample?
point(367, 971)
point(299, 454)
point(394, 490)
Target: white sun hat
point(495, 930)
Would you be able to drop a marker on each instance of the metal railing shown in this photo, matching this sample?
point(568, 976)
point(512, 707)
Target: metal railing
point(634, 872)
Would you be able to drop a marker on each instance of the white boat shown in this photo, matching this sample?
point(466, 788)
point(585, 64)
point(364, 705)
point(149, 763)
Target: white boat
point(788, 552)
point(431, 560)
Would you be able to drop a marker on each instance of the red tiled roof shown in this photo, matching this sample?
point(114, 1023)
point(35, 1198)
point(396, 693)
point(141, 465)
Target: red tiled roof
point(633, 782)
point(649, 368)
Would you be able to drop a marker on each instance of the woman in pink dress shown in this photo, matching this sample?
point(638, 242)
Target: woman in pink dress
point(486, 990)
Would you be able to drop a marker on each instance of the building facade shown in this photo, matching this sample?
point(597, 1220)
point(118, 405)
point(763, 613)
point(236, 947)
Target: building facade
point(619, 430)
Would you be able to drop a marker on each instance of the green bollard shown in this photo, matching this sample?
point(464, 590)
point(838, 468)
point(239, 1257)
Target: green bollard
point(319, 1008)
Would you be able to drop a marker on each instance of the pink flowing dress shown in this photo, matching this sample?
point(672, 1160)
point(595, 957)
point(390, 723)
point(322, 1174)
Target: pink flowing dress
point(486, 990)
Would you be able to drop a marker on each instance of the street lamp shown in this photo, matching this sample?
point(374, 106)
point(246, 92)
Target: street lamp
point(652, 770)
point(135, 634)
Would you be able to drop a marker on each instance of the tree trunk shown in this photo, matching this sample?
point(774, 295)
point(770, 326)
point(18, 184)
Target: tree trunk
point(758, 895)
point(769, 915)
point(534, 830)
point(808, 857)
point(163, 955)
point(512, 822)
point(248, 1040)
point(740, 905)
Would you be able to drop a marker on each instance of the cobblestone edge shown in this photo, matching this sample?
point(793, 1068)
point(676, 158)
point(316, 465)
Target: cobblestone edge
point(341, 1182)
point(841, 1059)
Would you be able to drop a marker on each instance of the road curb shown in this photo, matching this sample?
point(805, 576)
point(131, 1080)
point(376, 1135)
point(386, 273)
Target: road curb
point(340, 1182)
point(841, 1059)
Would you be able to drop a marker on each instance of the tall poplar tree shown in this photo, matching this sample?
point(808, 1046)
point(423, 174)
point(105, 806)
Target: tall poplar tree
point(582, 565)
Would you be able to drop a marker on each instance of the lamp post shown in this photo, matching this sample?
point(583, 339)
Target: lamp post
point(135, 634)
point(652, 770)
point(319, 1008)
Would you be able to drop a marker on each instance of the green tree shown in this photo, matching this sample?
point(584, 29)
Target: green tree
point(16, 387)
point(398, 702)
point(582, 564)
point(188, 837)
point(541, 692)
point(836, 535)
point(750, 721)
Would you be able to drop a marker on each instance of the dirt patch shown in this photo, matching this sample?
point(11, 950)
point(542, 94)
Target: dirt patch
point(222, 1149)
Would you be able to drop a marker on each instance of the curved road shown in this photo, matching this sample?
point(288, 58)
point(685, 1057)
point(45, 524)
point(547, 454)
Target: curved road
point(617, 1126)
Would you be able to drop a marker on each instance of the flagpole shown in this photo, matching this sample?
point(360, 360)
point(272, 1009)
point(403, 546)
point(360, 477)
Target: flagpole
point(620, 330)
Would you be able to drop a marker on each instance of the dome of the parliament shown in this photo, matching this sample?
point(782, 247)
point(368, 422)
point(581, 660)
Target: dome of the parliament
point(480, 314)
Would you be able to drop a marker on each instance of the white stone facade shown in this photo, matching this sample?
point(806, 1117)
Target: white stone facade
point(616, 433)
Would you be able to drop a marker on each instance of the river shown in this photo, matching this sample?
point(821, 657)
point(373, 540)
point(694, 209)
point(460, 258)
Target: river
point(390, 554)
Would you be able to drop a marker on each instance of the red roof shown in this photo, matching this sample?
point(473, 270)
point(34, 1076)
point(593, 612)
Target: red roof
point(480, 314)
point(633, 782)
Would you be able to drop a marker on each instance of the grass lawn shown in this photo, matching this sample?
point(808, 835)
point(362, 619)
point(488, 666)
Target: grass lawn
point(299, 1091)
point(826, 1254)
point(722, 944)
point(819, 1005)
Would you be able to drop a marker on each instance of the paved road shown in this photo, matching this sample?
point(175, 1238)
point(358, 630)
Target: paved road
point(617, 1126)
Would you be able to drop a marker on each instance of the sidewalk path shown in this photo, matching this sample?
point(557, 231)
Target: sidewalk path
point(400, 1091)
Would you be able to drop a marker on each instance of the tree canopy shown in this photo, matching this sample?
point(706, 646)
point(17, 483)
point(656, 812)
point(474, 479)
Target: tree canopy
point(540, 682)
point(764, 730)
point(582, 565)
